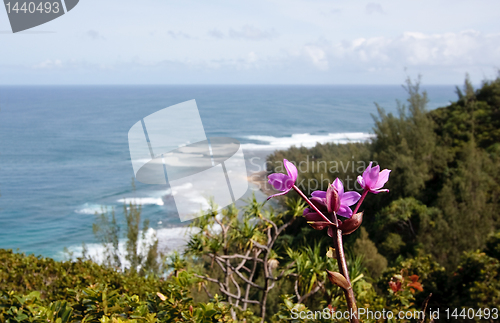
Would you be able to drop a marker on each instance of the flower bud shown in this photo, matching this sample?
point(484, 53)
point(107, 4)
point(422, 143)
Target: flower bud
point(338, 279)
point(318, 225)
point(332, 199)
point(352, 224)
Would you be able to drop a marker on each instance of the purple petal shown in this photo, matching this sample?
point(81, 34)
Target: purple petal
point(319, 203)
point(372, 178)
point(367, 170)
point(313, 216)
point(345, 211)
point(379, 191)
point(281, 182)
point(350, 198)
point(319, 194)
point(382, 178)
point(282, 193)
point(291, 170)
point(361, 181)
point(338, 186)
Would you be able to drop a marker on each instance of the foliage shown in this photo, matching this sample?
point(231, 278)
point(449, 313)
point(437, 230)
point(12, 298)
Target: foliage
point(140, 252)
point(436, 232)
point(36, 289)
point(372, 259)
point(444, 187)
point(242, 249)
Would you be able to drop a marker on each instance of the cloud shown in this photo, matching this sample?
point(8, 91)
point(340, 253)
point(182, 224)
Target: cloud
point(317, 56)
point(179, 35)
point(466, 48)
point(216, 33)
point(375, 59)
point(94, 35)
point(49, 64)
point(252, 33)
point(69, 65)
point(374, 7)
point(246, 32)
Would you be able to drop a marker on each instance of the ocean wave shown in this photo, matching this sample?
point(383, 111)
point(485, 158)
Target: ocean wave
point(142, 200)
point(92, 209)
point(169, 240)
point(305, 140)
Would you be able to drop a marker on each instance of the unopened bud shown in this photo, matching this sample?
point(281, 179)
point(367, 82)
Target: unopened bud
point(352, 224)
point(332, 199)
point(319, 225)
point(338, 279)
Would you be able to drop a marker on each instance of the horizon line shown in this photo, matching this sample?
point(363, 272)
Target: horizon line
point(228, 84)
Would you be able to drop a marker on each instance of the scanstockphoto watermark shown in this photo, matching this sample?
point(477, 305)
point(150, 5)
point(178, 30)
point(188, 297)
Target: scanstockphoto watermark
point(323, 172)
point(367, 314)
point(362, 314)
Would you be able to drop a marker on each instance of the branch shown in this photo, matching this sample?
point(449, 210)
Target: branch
point(240, 299)
point(282, 272)
point(312, 292)
point(246, 280)
point(258, 245)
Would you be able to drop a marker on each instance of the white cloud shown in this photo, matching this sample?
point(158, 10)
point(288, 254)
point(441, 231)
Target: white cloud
point(246, 32)
point(179, 35)
point(466, 48)
point(252, 33)
point(317, 56)
point(49, 64)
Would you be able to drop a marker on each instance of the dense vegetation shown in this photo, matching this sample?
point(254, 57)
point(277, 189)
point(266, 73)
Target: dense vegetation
point(444, 192)
point(436, 232)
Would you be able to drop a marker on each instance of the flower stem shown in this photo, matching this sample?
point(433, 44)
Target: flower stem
point(360, 201)
point(342, 263)
point(304, 197)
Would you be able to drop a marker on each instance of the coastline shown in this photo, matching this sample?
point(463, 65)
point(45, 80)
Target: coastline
point(176, 238)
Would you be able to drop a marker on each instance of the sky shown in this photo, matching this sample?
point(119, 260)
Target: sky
point(256, 42)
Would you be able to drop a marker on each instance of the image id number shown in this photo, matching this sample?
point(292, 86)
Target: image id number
point(31, 7)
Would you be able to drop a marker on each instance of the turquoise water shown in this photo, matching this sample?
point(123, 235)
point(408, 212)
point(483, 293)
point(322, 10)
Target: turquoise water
point(64, 151)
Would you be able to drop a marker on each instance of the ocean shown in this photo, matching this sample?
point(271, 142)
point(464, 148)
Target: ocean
point(64, 152)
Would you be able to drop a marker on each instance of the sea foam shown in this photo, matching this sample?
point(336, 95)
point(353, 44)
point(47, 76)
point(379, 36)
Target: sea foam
point(305, 140)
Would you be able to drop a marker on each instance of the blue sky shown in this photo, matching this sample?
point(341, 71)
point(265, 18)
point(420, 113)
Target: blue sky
point(256, 42)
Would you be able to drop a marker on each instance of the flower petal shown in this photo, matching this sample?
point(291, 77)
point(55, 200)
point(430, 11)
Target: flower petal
point(361, 182)
point(291, 170)
point(312, 216)
point(350, 198)
point(338, 186)
point(345, 211)
point(372, 178)
point(282, 193)
point(319, 203)
point(382, 178)
point(281, 182)
point(379, 191)
point(367, 170)
point(320, 194)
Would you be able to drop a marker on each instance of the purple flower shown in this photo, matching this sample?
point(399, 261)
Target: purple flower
point(341, 204)
point(283, 182)
point(373, 179)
